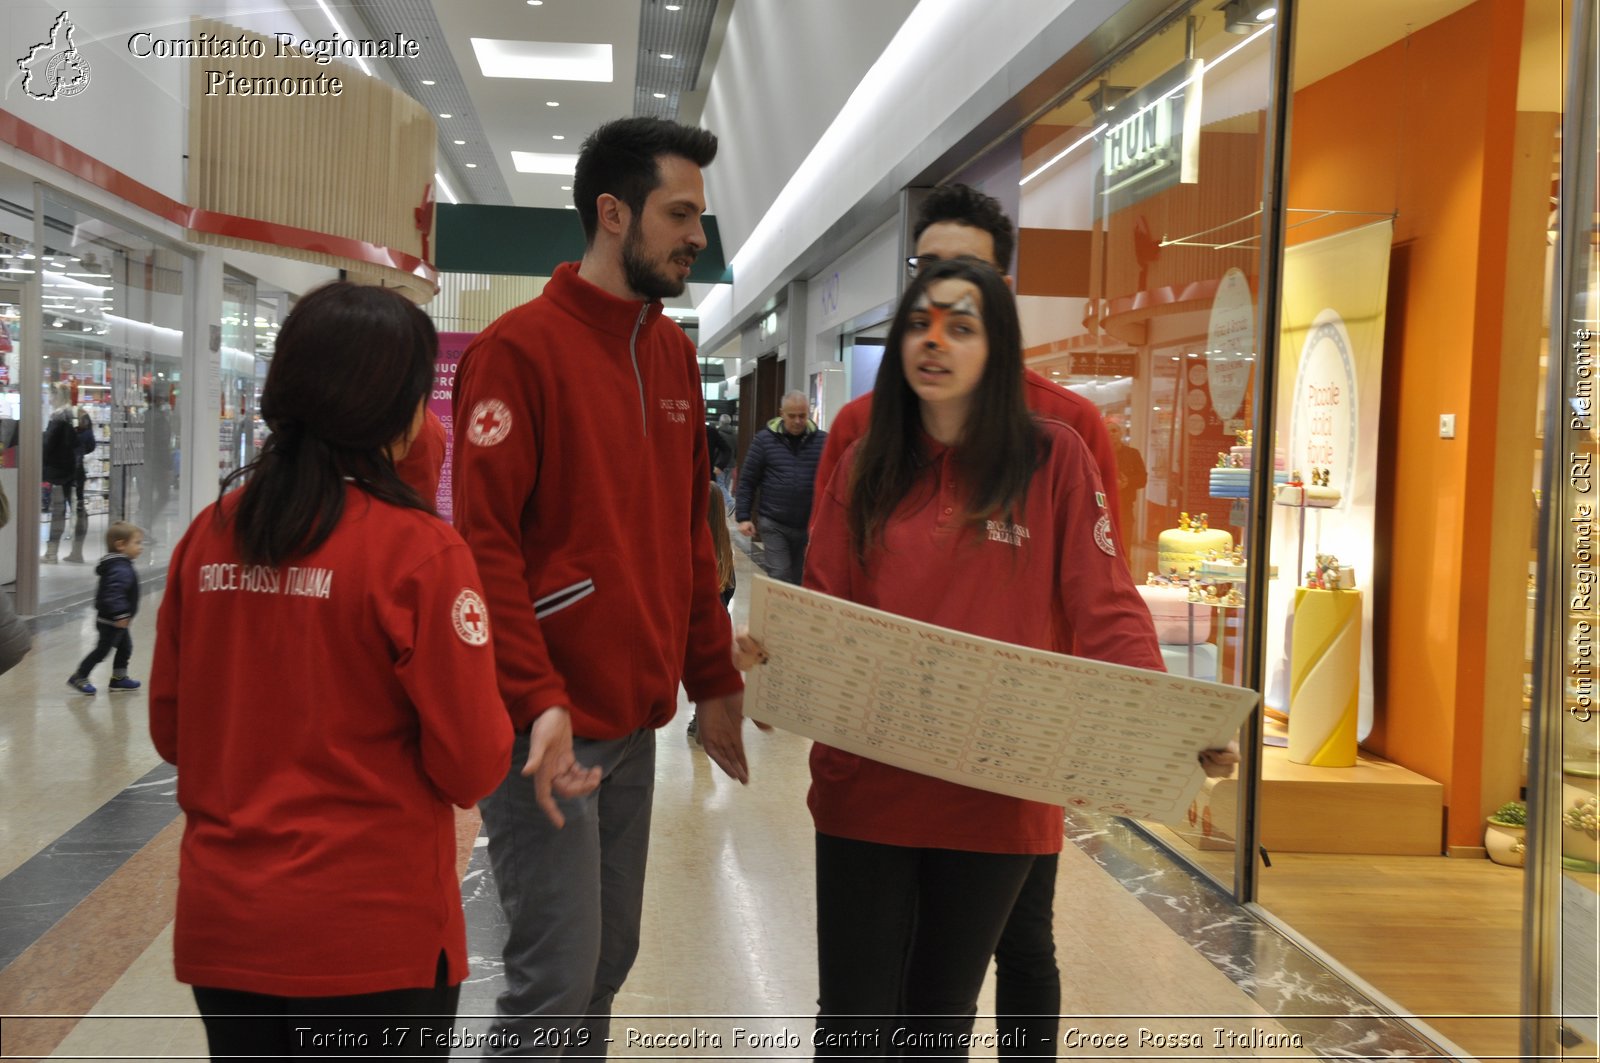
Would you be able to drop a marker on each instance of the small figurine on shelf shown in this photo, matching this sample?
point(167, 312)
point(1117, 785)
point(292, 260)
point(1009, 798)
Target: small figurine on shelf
point(1327, 572)
point(1312, 581)
point(1234, 598)
point(1222, 460)
point(1245, 437)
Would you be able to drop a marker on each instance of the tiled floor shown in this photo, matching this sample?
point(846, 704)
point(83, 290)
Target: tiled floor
point(88, 850)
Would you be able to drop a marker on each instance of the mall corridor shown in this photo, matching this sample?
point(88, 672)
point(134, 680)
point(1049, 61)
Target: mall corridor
point(88, 860)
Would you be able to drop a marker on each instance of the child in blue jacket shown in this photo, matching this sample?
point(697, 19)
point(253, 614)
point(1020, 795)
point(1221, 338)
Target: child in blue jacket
point(116, 600)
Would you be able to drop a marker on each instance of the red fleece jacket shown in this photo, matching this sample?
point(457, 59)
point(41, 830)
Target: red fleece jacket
point(580, 485)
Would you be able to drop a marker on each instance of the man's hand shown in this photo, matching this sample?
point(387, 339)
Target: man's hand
point(552, 766)
point(1218, 763)
point(747, 529)
point(722, 733)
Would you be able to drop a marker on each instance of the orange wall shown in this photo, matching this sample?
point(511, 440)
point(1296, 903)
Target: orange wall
point(1425, 127)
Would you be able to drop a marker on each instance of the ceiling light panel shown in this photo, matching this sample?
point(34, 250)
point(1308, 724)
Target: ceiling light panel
point(544, 162)
point(542, 60)
point(417, 20)
point(683, 34)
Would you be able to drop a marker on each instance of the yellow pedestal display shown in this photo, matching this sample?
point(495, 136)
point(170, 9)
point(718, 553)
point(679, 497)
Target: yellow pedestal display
point(1325, 678)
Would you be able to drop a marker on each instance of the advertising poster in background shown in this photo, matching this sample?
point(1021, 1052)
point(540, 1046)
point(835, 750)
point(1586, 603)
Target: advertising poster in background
point(441, 400)
point(1330, 377)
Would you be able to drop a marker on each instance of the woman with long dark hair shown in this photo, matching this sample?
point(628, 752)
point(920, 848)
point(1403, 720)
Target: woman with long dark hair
point(959, 509)
point(324, 681)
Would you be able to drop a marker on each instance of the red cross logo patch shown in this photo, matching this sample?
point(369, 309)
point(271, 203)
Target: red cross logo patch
point(470, 617)
point(489, 424)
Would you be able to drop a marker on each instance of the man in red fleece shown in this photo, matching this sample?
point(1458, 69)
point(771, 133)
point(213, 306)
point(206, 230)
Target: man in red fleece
point(603, 590)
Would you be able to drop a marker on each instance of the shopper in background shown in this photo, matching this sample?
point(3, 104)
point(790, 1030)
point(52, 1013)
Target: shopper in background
point(960, 222)
point(116, 603)
point(604, 590)
point(781, 467)
point(324, 681)
point(86, 444)
point(956, 508)
point(60, 465)
point(721, 461)
point(15, 640)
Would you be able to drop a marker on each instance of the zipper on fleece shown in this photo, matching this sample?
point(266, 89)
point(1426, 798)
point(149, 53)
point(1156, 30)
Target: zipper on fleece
point(633, 352)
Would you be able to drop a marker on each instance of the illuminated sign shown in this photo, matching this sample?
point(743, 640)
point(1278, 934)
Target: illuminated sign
point(1153, 141)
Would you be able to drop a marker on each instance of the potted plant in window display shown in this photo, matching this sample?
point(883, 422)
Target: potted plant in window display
point(1506, 835)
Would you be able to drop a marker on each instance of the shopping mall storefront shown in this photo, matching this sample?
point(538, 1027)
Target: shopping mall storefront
point(1306, 261)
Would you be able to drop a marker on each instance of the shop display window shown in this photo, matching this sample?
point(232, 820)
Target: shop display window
point(1138, 201)
point(111, 332)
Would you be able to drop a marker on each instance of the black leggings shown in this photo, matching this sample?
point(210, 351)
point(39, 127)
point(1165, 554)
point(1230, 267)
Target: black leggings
point(904, 938)
point(1027, 982)
point(408, 1023)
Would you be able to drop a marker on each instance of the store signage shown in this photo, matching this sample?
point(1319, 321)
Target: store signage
point(1231, 343)
point(1154, 139)
point(1322, 427)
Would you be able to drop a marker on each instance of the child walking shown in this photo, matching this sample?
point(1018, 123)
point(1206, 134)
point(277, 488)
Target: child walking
point(116, 600)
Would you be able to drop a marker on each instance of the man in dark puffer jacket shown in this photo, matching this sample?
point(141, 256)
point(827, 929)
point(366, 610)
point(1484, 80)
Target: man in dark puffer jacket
point(782, 464)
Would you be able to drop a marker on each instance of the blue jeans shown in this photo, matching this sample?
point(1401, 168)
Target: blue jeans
point(573, 897)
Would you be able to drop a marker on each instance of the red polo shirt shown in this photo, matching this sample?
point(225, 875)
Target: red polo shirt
point(1054, 566)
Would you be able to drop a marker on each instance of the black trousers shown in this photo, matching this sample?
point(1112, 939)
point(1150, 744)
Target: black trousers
point(111, 638)
point(1027, 982)
point(400, 1023)
point(904, 938)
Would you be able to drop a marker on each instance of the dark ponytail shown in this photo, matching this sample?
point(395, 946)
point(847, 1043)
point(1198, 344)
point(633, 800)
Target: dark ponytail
point(350, 367)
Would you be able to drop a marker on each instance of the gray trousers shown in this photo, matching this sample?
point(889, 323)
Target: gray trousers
point(785, 550)
point(572, 897)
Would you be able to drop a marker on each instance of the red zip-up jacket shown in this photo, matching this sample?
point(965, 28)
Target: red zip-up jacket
point(324, 716)
point(580, 485)
point(1019, 581)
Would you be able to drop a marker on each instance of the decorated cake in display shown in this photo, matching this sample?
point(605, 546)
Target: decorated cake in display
point(1178, 621)
point(1316, 494)
point(1180, 549)
point(1230, 477)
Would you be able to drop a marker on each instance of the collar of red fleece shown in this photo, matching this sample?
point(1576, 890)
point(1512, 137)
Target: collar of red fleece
point(597, 308)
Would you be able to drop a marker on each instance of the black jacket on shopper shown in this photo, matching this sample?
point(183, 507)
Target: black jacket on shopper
point(60, 448)
point(784, 468)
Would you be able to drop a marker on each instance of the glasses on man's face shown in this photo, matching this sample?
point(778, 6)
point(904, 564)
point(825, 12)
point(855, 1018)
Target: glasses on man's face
point(917, 263)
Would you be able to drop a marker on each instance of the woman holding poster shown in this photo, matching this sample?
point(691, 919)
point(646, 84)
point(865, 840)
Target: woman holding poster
point(957, 508)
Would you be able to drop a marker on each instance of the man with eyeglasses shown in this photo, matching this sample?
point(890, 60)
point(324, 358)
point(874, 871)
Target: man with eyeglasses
point(957, 221)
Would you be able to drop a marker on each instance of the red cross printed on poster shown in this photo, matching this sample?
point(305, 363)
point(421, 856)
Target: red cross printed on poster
point(470, 617)
point(489, 424)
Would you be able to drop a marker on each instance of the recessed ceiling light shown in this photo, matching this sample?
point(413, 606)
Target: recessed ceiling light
point(666, 55)
point(659, 95)
point(557, 136)
point(542, 60)
point(472, 166)
point(444, 114)
point(535, 3)
point(571, 207)
point(425, 81)
point(672, 7)
point(552, 103)
point(459, 142)
point(566, 188)
point(541, 162)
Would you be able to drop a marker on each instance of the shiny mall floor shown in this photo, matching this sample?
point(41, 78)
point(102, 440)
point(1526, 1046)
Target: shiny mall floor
point(89, 833)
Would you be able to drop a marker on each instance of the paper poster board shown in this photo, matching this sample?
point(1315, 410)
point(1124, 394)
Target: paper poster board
point(1028, 723)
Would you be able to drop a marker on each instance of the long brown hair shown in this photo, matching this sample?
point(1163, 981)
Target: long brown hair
point(721, 545)
point(1000, 445)
point(350, 367)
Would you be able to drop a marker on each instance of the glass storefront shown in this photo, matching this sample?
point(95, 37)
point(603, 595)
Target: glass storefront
point(252, 313)
point(110, 325)
point(1322, 362)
